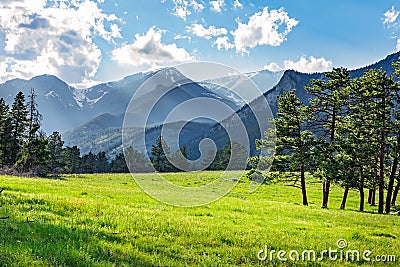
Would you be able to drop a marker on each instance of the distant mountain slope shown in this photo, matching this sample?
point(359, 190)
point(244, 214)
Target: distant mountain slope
point(290, 80)
point(293, 79)
point(64, 107)
point(93, 113)
point(98, 135)
point(385, 64)
point(54, 97)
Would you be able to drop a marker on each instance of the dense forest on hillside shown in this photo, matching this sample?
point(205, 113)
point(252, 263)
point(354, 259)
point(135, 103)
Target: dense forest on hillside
point(26, 150)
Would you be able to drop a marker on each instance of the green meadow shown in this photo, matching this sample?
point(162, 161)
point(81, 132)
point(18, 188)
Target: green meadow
point(107, 220)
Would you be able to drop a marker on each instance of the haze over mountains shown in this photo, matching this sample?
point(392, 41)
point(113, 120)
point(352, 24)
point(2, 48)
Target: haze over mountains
point(92, 118)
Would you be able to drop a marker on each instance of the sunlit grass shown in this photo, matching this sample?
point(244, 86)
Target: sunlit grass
point(107, 220)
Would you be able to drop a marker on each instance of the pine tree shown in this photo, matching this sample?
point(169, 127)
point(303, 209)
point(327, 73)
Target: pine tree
point(34, 153)
point(378, 92)
point(19, 124)
point(34, 156)
point(34, 117)
point(356, 151)
point(180, 159)
point(159, 152)
point(102, 165)
point(136, 161)
point(222, 157)
point(55, 147)
point(71, 159)
point(5, 134)
point(238, 156)
point(329, 105)
point(118, 165)
point(88, 163)
point(293, 140)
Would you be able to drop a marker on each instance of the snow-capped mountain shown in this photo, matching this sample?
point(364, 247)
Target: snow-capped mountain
point(55, 100)
point(64, 107)
point(67, 109)
point(289, 80)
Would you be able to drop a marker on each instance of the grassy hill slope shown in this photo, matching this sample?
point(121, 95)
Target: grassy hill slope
point(107, 220)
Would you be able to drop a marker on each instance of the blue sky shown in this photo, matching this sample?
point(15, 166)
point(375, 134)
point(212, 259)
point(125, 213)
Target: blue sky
point(87, 41)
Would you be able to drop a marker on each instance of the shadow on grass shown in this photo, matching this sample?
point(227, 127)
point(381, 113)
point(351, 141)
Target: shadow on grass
point(53, 177)
point(40, 243)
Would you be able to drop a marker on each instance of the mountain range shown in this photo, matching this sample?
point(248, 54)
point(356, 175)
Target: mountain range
point(92, 118)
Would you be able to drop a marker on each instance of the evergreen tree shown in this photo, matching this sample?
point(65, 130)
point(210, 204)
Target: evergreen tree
point(72, 159)
point(208, 159)
point(394, 154)
point(34, 153)
point(55, 147)
point(5, 134)
point(118, 165)
point(378, 92)
point(136, 161)
point(159, 153)
point(329, 105)
point(34, 117)
point(237, 156)
point(88, 163)
point(222, 157)
point(293, 140)
point(180, 159)
point(34, 156)
point(102, 165)
point(19, 123)
point(356, 151)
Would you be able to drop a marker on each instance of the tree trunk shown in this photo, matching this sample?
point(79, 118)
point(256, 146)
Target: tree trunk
point(303, 185)
point(391, 182)
point(361, 198)
point(392, 177)
point(361, 190)
point(370, 196)
point(346, 192)
point(396, 191)
point(373, 197)
point(381, 174)
point(326, 187)
point(327, 184)
point(382, 159)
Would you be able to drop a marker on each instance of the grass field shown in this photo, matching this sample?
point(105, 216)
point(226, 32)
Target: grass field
point(107, 220)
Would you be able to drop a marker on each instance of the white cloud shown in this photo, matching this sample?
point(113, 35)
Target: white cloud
point(148, 49)
point(182, 12)
point(398, 45)
point(223, 43)
point(390, 16)
point(198, 7)
point(237, 4)
point(273, 66)
point(217, 5)
point(183, 8)
point(264, 28)
point(207, 33)
point(310, 65)
point(182, 37)
point(43, 37)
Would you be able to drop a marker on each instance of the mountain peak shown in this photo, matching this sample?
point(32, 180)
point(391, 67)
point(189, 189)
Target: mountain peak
point(47, 77)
